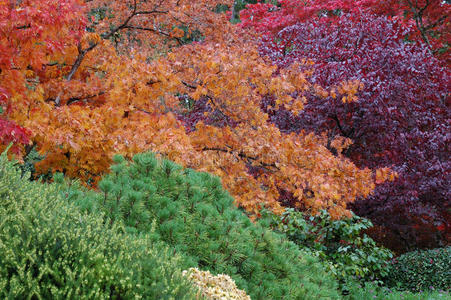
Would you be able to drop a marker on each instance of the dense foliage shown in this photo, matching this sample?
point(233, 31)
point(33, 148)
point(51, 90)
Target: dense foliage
point(322, 106)
point(422, 270)
point(10, 132)
point(427, 21)
point(350, 254)
point(398, 116)
point(25, 48)
point(50, 250)
point(371, 291)
point(197, 218)
point(114, 84)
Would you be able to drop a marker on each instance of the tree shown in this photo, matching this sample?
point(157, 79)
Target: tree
point(424, 20)
point(398, 117)
point(107, 93)
point(29, 36)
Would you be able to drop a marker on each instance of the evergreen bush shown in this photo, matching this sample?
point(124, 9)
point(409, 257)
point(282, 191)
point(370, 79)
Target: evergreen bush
point(50, 250)
point(422, 270)
point(372, 291)
point(197, 217)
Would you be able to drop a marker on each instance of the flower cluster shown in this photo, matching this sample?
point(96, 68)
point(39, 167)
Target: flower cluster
point(220, 287)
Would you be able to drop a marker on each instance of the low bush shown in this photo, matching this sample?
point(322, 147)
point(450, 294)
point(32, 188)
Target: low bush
point(422, 270)
point(349, 252)
point(371, 291)
point(197, 217)
point(50, 250)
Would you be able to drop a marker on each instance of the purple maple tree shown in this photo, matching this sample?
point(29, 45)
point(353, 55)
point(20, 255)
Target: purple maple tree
point(401, 119)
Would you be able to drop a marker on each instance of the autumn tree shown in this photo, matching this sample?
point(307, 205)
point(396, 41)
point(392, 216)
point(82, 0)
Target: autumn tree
point(398, 118)
point(122, 86)
point(424, 20)
point(29, 35)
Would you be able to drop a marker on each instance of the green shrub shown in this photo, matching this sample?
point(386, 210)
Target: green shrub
point(422, 270)
point(195, 216)
point(50, 250)
point(350, 254)
point(371, 291)
point(31, 158)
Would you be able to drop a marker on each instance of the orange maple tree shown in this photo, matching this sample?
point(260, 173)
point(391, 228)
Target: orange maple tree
point(29, 34)
point(113, 85)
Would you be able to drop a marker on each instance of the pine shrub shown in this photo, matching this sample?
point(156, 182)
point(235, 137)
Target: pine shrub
point(197, 217)
point(50, 250)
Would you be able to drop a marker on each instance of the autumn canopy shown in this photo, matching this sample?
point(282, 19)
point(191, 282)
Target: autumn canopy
point(81, 81)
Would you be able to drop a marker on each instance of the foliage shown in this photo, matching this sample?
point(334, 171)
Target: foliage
point(427, 21)
point(398, 112)
point(108, 92)
point(83, 80)
point(252, 156)
point(238, 5)
point(215, 287)
point(371, 291)
point(196, 217)
point(28, 36)
point(422, 270)
point(31, 158)
point(48, 249)
point(10, 132)
point(351, 254)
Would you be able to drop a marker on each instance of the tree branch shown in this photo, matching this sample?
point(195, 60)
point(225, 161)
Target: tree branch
point(435, 24)
point(241, 155)
point(337, 121)
point(418, 16)
point(76, 99)
point(24, 26)
point(179, 41)
point(189, 85)
point(82, 52)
